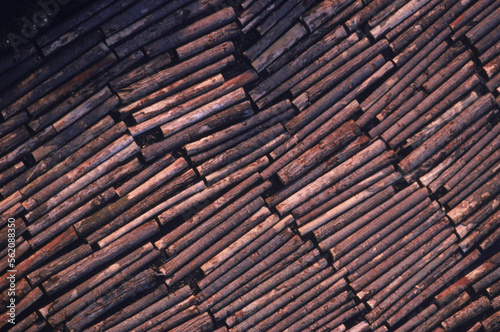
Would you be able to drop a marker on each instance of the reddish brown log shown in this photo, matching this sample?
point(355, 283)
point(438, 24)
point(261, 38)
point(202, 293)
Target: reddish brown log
point(444, 312)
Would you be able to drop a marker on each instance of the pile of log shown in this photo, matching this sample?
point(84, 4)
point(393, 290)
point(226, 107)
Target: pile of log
point(270, 165)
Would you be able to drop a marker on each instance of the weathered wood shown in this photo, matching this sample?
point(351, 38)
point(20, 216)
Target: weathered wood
point(486, 227)
point(419, 318)
point(195, 30)
point(490, 240)
point(152, 83)
point(261, 15)
point(238, 244)
point(207, 41)
point(12, 173)
point(91, 223)
point(365, 14)
point(276, 16)
point(13, 140)
point(444, 312)
point(335, 324)
point(228, 133)
point(171, 318)
point(329, 316)
point(434, 287)
point(328, 178)
point(482, 28)
point(492, 67)
point(152, 309)
point(209, 101)
point(445, 134)
point(491, 323)
point(322, 13)
point(487, 280)
point(129, 289)
point(178, 85)
point(487, 41)
point(296, 270)
point(469, 14)
point(84, 266)
point(249, 250)
point(202, 323)
point(72, 302)
point(490, 54)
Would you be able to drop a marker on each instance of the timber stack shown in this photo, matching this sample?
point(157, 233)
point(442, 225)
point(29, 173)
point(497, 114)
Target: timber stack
point(254, 165)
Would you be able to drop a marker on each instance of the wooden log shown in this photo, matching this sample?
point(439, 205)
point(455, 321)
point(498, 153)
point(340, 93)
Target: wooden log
point(195, 30)
point(477, 143)
point(491, 239)
point(369, 57)
point(14, 139)
point(210, 238)
point(492, 67)
point(149, 84)
point(173, 100)
point(384, 13)
point(469, 14)
point(171, 317)
point(240, 243)
point(298, 270)
point(444, 313)
point(322, 12)
point(487, 227)
point(276, 16)
point(221, 243)
point(81, 268)
point(292, 36)
point(490, 54)
point(141, 282)
point(162, 14)
point(365, 14)
point(202, 157)
point(226, 134)
point(439, 139)
point(487, 41)
point(216, 37)
point(12, 211)
point(22, 288)
point(279, 28)
point(144, 175)
point(411, 20)
point(149, 310)
point(202, 323)
point(265, 311)
point(218, 295)
point(493, 290)
point(331, 176)
point(396, 240)
point(13, 123)
point(350, 203)
point(402, 13)
point(9, 201)
point(486, 281)
point(482, 151)
point(417, 247)
point(419, 318)
point(475, 200)
point(263, 14)
point(110, 211)
point(72, 302)
point(10, 174)
point(31, 144)
point(103, 235)
point(329, 316)
point(185, 82)
point(38, 276)
point(248, 251)
point(434, 287)
point(341, 156)
point(22, 246)
point(482, 28)
point(429, 130)
point(335, 324)
point(472, 221)
point(210, 101)
point(322, 51)
point(26, 324)
point(21, 306)
point(491, 323)
point(337, 139)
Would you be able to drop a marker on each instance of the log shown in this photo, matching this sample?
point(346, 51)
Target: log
point(72, 302)
point(420, 318)
point(487, 41)
point(434, 287)
point(177, 99)
point(384, 13)
point(13, 140)
point(444, 313)
point(52, 231)
point(84, 266)
point(494, 289)
point(152, 83)
point(298, 270)
point(221, 295)
point(38, 276)
point(445, 134)
point(151, 309)
point(240, 243)
point(475, 219)
point(334, 141)
point(258, 18)
point(249, 250)
point(292, 36)
point(491, 239)
point(490, 54)
point(9, 201)
point(396, 240)
point(25, 303)
point(170, 317)
point(475, 200)
point(85, 226)
point(401, 14)
point(145, 174)
point(487, 227)
point(329, 316)
point(294, 72)
point(341, 156)
point(469, 14)
point(197, 29)
point(230, 132)
point(365, 14)
point(202, 323)
point(335, 174)
point(222, 241)
point(322, 13)
point(492, 67)
point(22, 288)
point(105, 234)
point(209, 40)
point(350, 203)
point(335, 323)
point(482, 28)
point(267, 310)
point(486, 280)
point(491, 323)
point(473, 146)
point(12, 173)
point(411, 20)
point(178, 85)
point(128, 290)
